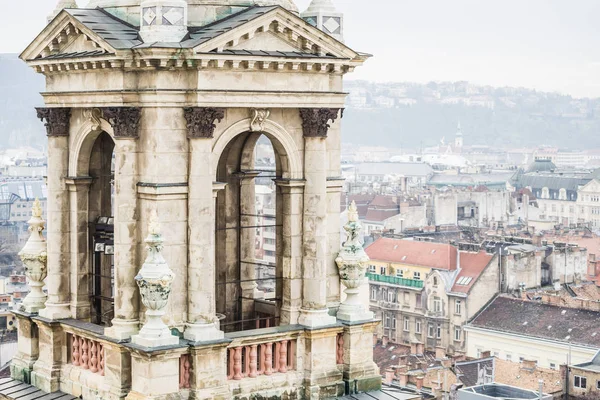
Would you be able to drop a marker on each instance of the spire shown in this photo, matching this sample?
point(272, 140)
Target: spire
point(62, 4)
point(323, 15)
point(163, 20)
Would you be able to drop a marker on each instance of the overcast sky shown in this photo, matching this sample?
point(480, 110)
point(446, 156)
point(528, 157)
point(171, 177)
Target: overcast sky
point(551, 45)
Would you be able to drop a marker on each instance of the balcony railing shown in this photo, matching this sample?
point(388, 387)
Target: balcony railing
point(251, 361)
point(393, 280)
point(87, 354)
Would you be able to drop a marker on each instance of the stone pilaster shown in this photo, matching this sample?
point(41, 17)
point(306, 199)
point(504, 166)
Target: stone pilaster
point(360, 372)
point(79, 190)
point(209, 372)
point(27, 348)
point(202, 323)
point(315, 123)
point(292, 193)
point(117, 370)
point(322, 380)
point(46, 369)
point(57, 282)
point(127, 241)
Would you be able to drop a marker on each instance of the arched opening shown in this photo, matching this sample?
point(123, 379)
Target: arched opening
point(101, 222)
point(249, 221)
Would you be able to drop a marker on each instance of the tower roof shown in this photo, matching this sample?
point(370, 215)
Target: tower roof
point(320, 6)
point(541, 165)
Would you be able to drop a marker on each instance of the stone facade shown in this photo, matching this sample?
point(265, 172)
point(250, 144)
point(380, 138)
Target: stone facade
point(182, 123)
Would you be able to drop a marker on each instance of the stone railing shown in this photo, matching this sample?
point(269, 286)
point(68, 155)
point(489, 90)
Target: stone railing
point(251, 361)
point(185, 369)
point(86, 354)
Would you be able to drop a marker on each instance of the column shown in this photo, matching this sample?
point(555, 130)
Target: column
point(202, 323)
point(79, 189)
point(292, 192)
point(315, 124)
point(125, 122)
point(57, 282)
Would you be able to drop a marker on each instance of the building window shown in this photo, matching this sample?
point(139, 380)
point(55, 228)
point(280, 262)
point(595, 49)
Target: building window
point(387, 322)
point(373, 293)
point(552, 366)
point(372, 269)
point(382, 270)
point(435, 282)
point(400, 273)
point(417, 276)
point(406, 298)
point(437, 304)
point(406, 325)
point(439, 331)
point(598, 385)
point(394, 322)
point(418, 300)
point(457, 333)
point(392, 296)
point(508, 357)
point(458, 307)
point(417, 326)
point(580, 382)
point(430, 330)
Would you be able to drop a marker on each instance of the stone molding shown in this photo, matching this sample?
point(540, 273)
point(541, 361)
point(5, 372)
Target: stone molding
point(58, 120)
point(124, 120)
point(201, 121)
point(315, 121)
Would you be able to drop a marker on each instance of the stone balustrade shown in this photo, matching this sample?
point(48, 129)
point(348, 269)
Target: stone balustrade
point(86, 354)
point(339, 354)
point(253, 360)
point(185, 369)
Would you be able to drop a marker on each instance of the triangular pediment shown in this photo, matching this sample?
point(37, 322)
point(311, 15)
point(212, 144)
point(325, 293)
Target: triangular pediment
point(592, 186)
point(66, 37)
point(274, 30)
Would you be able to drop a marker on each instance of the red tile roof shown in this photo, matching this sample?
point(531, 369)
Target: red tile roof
point(471, 266)
point(382, 208)
point(425, 254)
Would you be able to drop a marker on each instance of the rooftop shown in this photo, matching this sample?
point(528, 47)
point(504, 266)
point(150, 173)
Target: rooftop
point(408, 252)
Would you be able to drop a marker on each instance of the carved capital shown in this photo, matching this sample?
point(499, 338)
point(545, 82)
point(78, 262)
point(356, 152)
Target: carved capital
point(57, 120)
point(315, 121)
point(201, 121)
point(124, 120)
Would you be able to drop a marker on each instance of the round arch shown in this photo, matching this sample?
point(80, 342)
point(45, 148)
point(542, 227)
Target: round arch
point(83, 142)
point(282, 142)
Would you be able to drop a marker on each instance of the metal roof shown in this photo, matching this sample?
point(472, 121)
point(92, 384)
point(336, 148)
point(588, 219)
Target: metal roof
point(386, 393)
point(117, 33)
point(552, 181)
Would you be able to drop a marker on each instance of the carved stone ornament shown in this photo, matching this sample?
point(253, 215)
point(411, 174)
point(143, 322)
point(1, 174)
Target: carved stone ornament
point(154, 281)
point(259, 117)
point(201, 121)
point(57, 120)
point(34, 259)
point(352, 264)
point(315, 121)
point(124, 120)
point(93, 115)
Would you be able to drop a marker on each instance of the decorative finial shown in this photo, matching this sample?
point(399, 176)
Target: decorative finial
point(153, 224)
point(36, 209)
point(352, 212)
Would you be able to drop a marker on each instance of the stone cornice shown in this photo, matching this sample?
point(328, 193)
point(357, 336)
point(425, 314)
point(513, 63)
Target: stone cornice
point(57, 120)
point(201, 121)
point(124, 120)
point(315, 121)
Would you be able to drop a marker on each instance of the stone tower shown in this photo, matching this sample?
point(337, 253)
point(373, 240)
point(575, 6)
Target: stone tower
point(153, 110)
point(323, 15)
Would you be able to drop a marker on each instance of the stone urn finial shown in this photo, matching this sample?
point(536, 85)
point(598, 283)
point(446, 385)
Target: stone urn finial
point(34, 259)
point(154, 281)
point(352, 263)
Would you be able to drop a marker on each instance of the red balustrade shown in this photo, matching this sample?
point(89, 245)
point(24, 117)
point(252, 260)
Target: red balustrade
point(185, 369)
point(340, 349)
point(254, 360)
point(87, 354)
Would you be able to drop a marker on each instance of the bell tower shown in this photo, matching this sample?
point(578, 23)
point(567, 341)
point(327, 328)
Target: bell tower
point(323, 15)
point(163, 20)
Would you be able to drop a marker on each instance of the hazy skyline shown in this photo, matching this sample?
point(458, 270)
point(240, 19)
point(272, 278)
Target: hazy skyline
point(549, 45)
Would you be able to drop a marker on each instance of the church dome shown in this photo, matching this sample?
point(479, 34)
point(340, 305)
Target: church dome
point(541, 165)
point(200, 12)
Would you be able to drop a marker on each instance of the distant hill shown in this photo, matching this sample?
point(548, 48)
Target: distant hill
point(387, 114)
point(19, 94)
point(411, 115)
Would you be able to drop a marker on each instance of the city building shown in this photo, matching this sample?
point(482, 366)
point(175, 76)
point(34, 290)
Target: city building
point(584, 378)
point(515, 330)
point(188, 89)
point(426, 292)
point(500, 391)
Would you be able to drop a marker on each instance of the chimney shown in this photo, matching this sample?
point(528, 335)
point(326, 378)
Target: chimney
point(413, 348)
point(420, 348)
point(529, 365)
point(440, 352)
point(389, 376)
point(486, 354)
point(447, 363)
point(403, 377)
point(420, 382)
point(384, 341)
point(374, 339)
